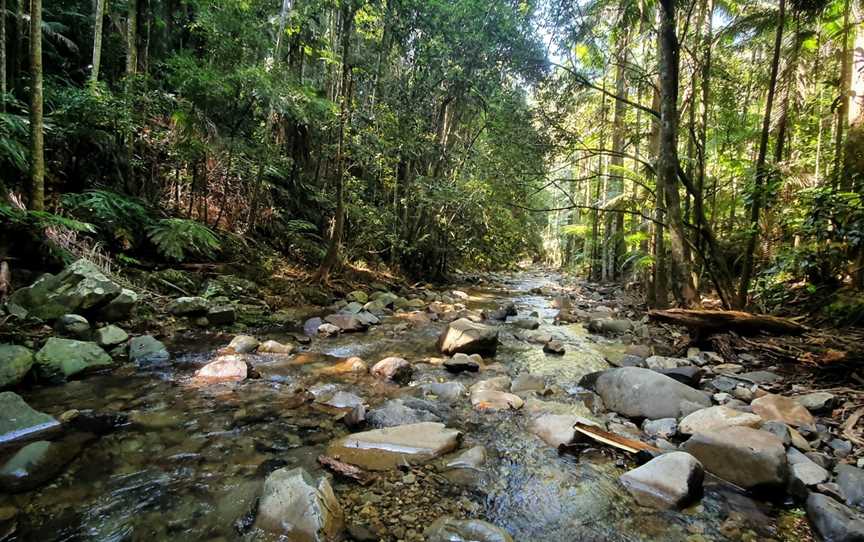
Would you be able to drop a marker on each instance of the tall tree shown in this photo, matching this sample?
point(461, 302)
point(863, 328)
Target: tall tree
point(3, 86)
point(667, 160)
point(99, 18)
point(761, 169)
point(132, 38)
point(37, 151)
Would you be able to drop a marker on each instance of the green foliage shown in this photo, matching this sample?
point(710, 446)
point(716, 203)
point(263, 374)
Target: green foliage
point(119, 219)
point(176, 239)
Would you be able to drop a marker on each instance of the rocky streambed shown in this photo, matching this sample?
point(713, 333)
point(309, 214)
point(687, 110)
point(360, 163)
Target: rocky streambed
point(424, 415)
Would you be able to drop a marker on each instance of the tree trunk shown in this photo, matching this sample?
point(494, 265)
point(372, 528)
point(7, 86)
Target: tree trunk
point(660, 271)
point(840, 180)
point(614, 222)
point(761, 167)
point(3, 87)
point(20, 48)
point(97, 41)
point(703, 323)
point(667, 163)
point(37, 150)
point(132, 38)
point(333, 253)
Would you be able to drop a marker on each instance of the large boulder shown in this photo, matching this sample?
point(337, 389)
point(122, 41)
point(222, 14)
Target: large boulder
point(833, 521)
point(60, 359)
point(468, 337)
point(747, 457)
point(671, 480)
point(15, 363)
point(465, 530)
point(20, 422)
point(384, 449)
point(643, 393)
point(120, 307)
point(717, 417)
point(299, 507)
point(81, 287)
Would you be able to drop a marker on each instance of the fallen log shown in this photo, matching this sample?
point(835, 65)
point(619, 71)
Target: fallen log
point(703, 323)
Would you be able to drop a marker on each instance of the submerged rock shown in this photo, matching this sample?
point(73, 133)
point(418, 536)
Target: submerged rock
point(467, 337)
point(833, 521)
point(554, 347)
point(147, 352)
point(347, 323)
point(393, 368)
point(782, 409)
point(384, 449)
point(472, 458)
point(495, 400)
point(275, 347)
point(467, 530)
point(644, 393)
point(747, 457)
point(20, 422)
point(609, 326)
point(672, 480)
point(300, 507)
point(15, 363)
point(461, 363)
point(39, 462)
point(60, 359)
point(403, 412)
point(717, 417)
point(450, 392)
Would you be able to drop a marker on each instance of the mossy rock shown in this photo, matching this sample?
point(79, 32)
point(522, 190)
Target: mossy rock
point(230, 286)
point(188, 282)
point(15, 363)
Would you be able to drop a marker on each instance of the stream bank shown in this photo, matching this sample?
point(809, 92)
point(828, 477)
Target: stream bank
point(160, 452)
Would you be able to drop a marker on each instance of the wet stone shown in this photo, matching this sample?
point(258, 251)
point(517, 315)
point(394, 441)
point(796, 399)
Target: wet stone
point(468, 337)
point(300, 507)
point(15, 363)
point(472, 458)
point(527, 382)
point(146, 352)
point(111, 335)
point(554, 347)
point(19, 421)
point(60, 359)
point(834, 521)
point(450, 392)
point(782, 409)
point(384, 449)
point(403, 412)
point(672, 480)
point(224, 368)
point(471, 530)
point(495, 400)
point(243, 344)
point(73, 325)
point(462, 363)
point(393, 368)
point(275, 347)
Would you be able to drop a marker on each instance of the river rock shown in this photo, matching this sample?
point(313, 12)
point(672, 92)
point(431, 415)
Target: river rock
point(717, 417)
point(461, 363)
point(527, 323)
point(20, 422)
point(527, 382)
point(60, 359)
point(81, 287)
point(350, 365)
point(495, 400)
point(497, 383)
point(747, 457)
point(663, 362)
point(403, 412)
point(671, 480)
point(609, 326)
point(340, 399)
point(833, 521)
point(643, 393)
point(15, 363)
point(221, 315)
point(298, 506)
point(465, 530)
point(243, 344)
point(384, 449)
point(358, 296)
point(627, 360)
point(188, 306)
point(348, 323)
point(119, 308)
point(557, 429)
point(110, 336)
point(782, 409)
point(328, 330)
point(449, 392)
point(367, 318)
point(73, 325)
point(851, 481)
point(467, 337)
point(146, 351)
point(665, 428)
point(275, 347)
point(351, 308)
point(803, 473)
point(224, 368)
point(816, 401)
point(39, 462)
point(472, 458)
point(690, 376)
point(554, 347)
point(393, 368)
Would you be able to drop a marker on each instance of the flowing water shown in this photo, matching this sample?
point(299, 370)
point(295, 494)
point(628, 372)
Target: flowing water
point(190, 463)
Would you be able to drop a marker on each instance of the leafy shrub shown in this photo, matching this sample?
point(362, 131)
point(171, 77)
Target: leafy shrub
point(177, 238)
point(119, 219)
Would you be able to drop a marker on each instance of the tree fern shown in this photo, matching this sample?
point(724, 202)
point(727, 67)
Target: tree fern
point(176, 238)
